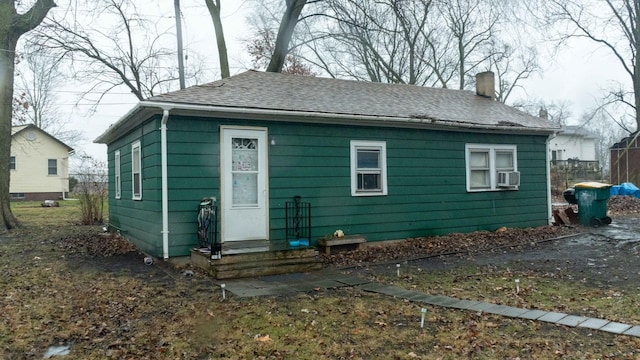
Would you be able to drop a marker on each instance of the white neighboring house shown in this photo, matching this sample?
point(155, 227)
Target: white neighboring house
point(39, 165)
point(572, 142)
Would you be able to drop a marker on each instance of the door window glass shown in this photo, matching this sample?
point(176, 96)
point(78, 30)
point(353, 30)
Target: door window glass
point(244, 170)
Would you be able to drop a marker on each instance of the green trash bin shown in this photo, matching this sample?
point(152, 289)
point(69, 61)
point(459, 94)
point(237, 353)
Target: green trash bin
point(592, 203)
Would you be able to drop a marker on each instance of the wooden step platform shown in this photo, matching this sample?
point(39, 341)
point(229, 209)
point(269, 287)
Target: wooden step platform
point(259, 259)
point(352, 241)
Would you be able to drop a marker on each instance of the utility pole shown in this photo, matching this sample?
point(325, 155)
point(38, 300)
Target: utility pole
point(176, 4)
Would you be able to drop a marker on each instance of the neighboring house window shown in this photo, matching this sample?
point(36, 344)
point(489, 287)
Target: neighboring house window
point(16, 196)
point(118, 183)
point(12, 163)
point(52, 165)
point(136, 166)
point(368, 168)
point(483, 162)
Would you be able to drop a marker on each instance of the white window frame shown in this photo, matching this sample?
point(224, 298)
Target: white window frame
point(380, 146)
point(12, 162)
point(49, 167)
point(491, 149)
point(135, 147)
point(118, 183)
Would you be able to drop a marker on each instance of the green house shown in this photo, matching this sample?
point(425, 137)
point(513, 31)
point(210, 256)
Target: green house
point(386, 161)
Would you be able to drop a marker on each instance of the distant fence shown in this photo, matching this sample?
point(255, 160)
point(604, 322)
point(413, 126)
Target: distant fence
point(565, 173)
point(625, 161)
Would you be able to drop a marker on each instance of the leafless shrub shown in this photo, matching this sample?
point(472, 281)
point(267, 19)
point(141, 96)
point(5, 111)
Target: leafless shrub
point(91, 189)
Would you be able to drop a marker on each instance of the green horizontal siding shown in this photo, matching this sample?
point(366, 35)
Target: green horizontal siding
point(139, 220)
point(426, 181)
point(193, 173)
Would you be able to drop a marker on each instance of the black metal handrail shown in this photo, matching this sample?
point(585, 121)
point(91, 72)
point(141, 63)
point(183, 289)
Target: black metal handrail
point(208, 227)
point(298, 222)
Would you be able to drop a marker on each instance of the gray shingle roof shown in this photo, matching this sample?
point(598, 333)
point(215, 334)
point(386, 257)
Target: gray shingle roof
point(258, 95)
point(284, 92)
point(576, 130)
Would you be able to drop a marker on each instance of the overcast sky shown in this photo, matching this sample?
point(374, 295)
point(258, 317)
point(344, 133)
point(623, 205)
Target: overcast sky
point(578, 75)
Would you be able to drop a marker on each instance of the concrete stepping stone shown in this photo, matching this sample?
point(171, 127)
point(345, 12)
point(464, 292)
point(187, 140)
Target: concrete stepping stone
point(533, 314)
point(571, 320)
point(552, 317)
point(633, 331)
point(615, 327)
point(592, 323)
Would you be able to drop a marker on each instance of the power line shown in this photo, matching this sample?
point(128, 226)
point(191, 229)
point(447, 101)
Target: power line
point(79, 92)
point(90, 60)
point(94, 104)
point(98, 104)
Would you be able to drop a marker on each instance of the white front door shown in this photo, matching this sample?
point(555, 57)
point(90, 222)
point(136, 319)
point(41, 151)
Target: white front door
point(244, 184)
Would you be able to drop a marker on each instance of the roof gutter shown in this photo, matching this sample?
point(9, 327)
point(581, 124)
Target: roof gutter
point(165, 186)
point(306, 116)
point(301, 115)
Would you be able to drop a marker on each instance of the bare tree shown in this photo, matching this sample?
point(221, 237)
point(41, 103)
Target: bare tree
point(214, 7)
point(422, 42)
point(617, 109)
point(472, 24)
point(37, 81)
point(262, 47)
point(91, 189)
point(20, 105)
point(384, 41)
point(112, 46)
point(19, 109)
point(597, 122)
point(12, 27)
point(557, 112)
point(511, 65)
point(612, 24)
point(290, 18)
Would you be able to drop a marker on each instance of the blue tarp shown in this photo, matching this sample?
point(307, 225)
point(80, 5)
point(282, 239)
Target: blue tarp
point(625, 189)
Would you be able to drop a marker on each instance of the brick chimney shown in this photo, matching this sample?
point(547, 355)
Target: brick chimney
point(486, 84)
point(543, 113)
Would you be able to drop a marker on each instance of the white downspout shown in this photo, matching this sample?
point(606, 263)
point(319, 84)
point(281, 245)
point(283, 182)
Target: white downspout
point(165, 186)
point(548, 157)
point(65, 170)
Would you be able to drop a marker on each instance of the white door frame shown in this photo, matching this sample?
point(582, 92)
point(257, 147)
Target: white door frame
point(230, 213)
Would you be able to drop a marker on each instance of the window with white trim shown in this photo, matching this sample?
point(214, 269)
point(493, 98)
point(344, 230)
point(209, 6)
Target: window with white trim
point(117, 173)
point(12, 163)
point(483, 162)
point(52, 167)
point(136, 171)
point(368, 168)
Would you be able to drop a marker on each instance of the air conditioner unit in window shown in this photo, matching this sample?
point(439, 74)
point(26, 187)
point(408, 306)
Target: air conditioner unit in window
point(508, 178)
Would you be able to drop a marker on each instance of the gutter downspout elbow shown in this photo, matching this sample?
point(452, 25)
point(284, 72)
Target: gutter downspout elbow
point(165, 186)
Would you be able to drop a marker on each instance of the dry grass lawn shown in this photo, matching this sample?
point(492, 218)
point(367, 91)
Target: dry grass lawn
point(64, 284)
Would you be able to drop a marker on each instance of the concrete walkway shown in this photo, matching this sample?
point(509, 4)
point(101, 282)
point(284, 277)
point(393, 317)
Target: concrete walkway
point(279, 285)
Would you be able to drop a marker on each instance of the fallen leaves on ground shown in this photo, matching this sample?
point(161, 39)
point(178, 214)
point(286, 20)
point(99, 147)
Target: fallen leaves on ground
point(101, 244)
point(447, 244)
point(260, 338)
point(468, 242)
point(623, 204)
point(159, 314)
